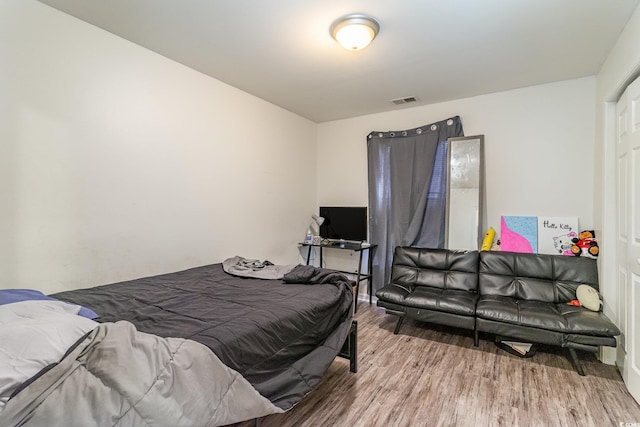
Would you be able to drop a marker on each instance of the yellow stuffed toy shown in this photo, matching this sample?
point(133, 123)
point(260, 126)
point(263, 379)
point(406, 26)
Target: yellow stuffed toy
point(487, 242)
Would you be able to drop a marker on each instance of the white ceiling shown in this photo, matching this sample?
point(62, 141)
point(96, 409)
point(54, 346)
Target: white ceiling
point(435, 50)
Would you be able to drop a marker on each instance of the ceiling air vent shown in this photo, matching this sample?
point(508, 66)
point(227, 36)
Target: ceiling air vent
point(408, 99)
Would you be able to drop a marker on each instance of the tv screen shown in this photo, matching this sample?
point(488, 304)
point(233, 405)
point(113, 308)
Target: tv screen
point(347, 223)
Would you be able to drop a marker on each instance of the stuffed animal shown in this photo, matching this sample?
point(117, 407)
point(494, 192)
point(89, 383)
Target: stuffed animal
point(585, 244)
point(487, 242)
point(587, 297)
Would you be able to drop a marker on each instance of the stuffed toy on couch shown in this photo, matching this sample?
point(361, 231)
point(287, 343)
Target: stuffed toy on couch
point(585, 244)
point(587, 297)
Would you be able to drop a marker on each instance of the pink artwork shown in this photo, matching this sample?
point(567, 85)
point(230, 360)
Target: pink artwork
point(519, 234)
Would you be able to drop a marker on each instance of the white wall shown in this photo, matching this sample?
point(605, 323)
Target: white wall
point(539, 148)
point(116, 162)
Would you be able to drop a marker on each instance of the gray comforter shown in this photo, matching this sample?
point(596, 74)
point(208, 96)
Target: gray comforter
point(117, 376)
point(281, 337)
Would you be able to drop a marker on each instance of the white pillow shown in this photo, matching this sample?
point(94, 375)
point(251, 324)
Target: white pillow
point(33, 335)
point(588, 297)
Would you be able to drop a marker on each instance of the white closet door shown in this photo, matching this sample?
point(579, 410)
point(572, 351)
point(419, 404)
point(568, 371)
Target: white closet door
point(628, 235)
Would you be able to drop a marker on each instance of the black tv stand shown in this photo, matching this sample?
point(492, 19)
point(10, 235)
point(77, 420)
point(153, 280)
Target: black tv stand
point(359, 247)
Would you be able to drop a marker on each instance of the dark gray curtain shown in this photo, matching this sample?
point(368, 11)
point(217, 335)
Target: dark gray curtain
point(407, 186)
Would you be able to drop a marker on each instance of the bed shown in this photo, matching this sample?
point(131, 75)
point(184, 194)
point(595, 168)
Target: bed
point(274, 341)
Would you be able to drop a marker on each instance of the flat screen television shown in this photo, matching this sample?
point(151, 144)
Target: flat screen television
point(346, 223)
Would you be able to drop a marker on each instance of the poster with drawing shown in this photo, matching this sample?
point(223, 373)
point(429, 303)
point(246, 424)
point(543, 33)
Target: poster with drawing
point(555, 234)
point(519, 234)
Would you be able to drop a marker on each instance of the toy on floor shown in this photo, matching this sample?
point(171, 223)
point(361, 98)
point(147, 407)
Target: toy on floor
point(585, 244)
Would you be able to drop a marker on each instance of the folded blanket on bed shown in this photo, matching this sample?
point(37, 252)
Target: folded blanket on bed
point(119, 376)
point(308, 274)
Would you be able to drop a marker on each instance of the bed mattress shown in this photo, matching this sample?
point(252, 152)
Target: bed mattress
point(280, 337)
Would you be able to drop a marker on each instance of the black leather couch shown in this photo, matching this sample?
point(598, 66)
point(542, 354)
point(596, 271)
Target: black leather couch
point(514, 295)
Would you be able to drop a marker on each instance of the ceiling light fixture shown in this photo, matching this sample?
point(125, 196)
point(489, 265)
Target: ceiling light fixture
point(355, 31)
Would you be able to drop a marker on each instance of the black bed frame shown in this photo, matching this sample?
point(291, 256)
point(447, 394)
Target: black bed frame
point(350, 348)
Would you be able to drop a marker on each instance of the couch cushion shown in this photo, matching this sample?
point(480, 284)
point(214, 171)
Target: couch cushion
point(433, 279)
point(437, 268)
point(450, 301)
point(535, 277)
point(558, 317)
point(394, 293)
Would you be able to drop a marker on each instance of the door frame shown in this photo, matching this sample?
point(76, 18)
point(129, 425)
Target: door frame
point(608, 258)
point(609, 222)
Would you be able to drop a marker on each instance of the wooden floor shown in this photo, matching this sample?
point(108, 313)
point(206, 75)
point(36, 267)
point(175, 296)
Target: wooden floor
point(429, 375)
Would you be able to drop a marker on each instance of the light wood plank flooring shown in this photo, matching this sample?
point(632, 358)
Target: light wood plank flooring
point(429, 375)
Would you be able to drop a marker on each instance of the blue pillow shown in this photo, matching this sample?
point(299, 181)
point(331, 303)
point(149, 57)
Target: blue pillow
point(7, 296)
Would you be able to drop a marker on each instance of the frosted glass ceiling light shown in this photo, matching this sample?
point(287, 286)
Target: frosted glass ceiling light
point(354, 32)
